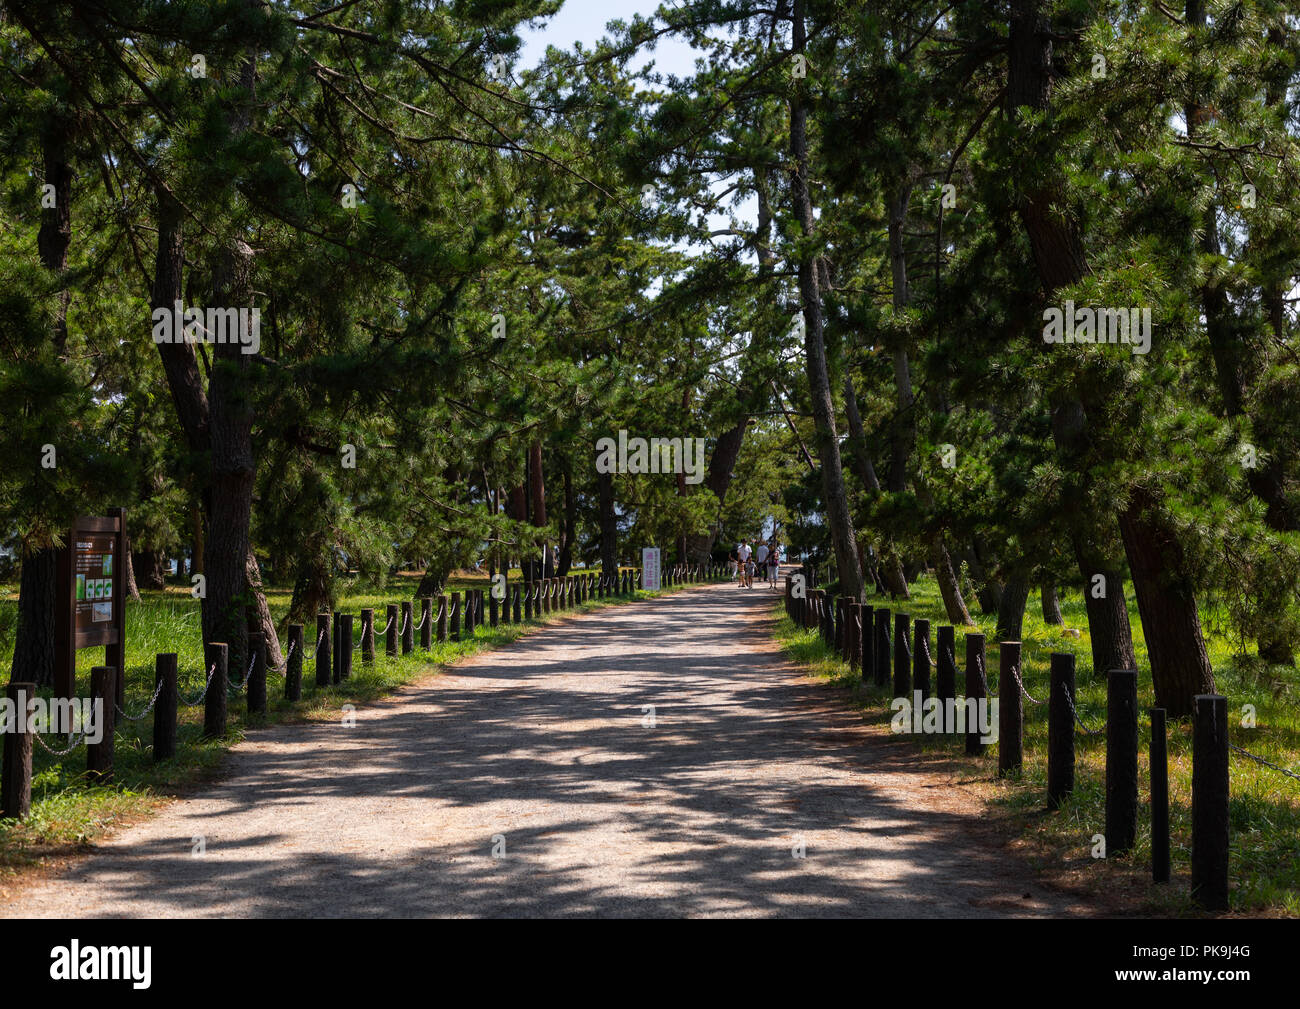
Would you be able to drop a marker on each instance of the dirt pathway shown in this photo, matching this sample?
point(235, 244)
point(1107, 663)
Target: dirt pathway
point(544, 748)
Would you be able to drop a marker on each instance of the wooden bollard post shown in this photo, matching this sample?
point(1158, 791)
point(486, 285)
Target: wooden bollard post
point(216, 656)
point(345, 646)
point(336, 654)
point(442, 617)
point(829, 618)
point(293, 665)
point(1121, 760)
point(1011, 709)
point(545, 597)
point(1159, 798)
point(517, 593)
point(16, 775)
point(840, 603)
point(368, 636)
point(455, 616)
point(391, 627)
point(165, 708)
point(255, 689)
point(494, 608)
point(1210, 802)
point(853, 635)
point(1060, 731)
point(867, 646)
point(975, 690)
point(408, 627)
point(99, 756)
point(921, 658)
point(471, 612)
point(528, 600)
point(426, 622)
point(902, 661)
point(323, 643)
point(945, 666)
point(882, 647)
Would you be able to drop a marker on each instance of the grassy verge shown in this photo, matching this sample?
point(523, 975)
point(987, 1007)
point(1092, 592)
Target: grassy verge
point(68, 813)
point(1265, 805)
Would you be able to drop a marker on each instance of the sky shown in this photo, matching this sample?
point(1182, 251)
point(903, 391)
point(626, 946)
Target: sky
point(584, 21)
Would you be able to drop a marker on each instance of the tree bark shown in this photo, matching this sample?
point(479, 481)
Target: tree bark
point(1167, 605)
point(1179, 663)
point(954, 603)
point(570, 531)
point(34, 636)
point(34, 641)
point(1011, 611)
point(722, 465)
point(889, 572)
point(151, 569)
point(1051, 604)
point(608, 525)
point(132, 589)
point(828, 444)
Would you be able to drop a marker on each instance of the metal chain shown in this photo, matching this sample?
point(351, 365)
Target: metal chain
point(1075, 712)
point(59, 753)
point(1260, 760)
point(239, 687)
point(282, 670)
point(148, 708)
point(211, 673)
point(1015, 671)
point(319, 641)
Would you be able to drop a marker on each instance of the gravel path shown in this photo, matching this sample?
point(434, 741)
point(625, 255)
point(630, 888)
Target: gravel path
point(544, 748)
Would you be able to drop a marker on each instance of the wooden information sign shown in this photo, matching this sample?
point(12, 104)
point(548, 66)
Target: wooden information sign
point(90, 607)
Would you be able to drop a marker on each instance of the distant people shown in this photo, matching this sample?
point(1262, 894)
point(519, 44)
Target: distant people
point(733, 564)
point(744, 554)
point(773, 563)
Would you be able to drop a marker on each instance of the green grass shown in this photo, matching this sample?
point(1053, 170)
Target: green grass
point(1264, 805)
point(68, 812)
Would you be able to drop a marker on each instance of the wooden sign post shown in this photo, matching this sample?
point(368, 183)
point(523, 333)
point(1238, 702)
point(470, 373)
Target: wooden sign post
point(90, 599)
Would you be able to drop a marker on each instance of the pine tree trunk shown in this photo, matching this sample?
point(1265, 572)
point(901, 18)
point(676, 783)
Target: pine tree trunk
point(570, 531)
point(989, 592)
point(1051, 604)
point(608, 525)
point(132, 589)
point(1011, 611)
point(718, 478)
point(954, 603)
point(150, 569)
point(1171, 625)
point(837, 509)
point(34, 636)
point(34, 642)
point(888, 573)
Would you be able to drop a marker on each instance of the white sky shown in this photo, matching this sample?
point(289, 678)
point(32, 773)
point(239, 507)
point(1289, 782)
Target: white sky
point(584, 21)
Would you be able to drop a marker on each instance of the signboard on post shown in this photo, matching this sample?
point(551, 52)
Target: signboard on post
point(90, 608)
point(650, 569)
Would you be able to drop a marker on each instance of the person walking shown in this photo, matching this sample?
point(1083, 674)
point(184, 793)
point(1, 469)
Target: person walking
point(773, 563)
point(744, 554)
